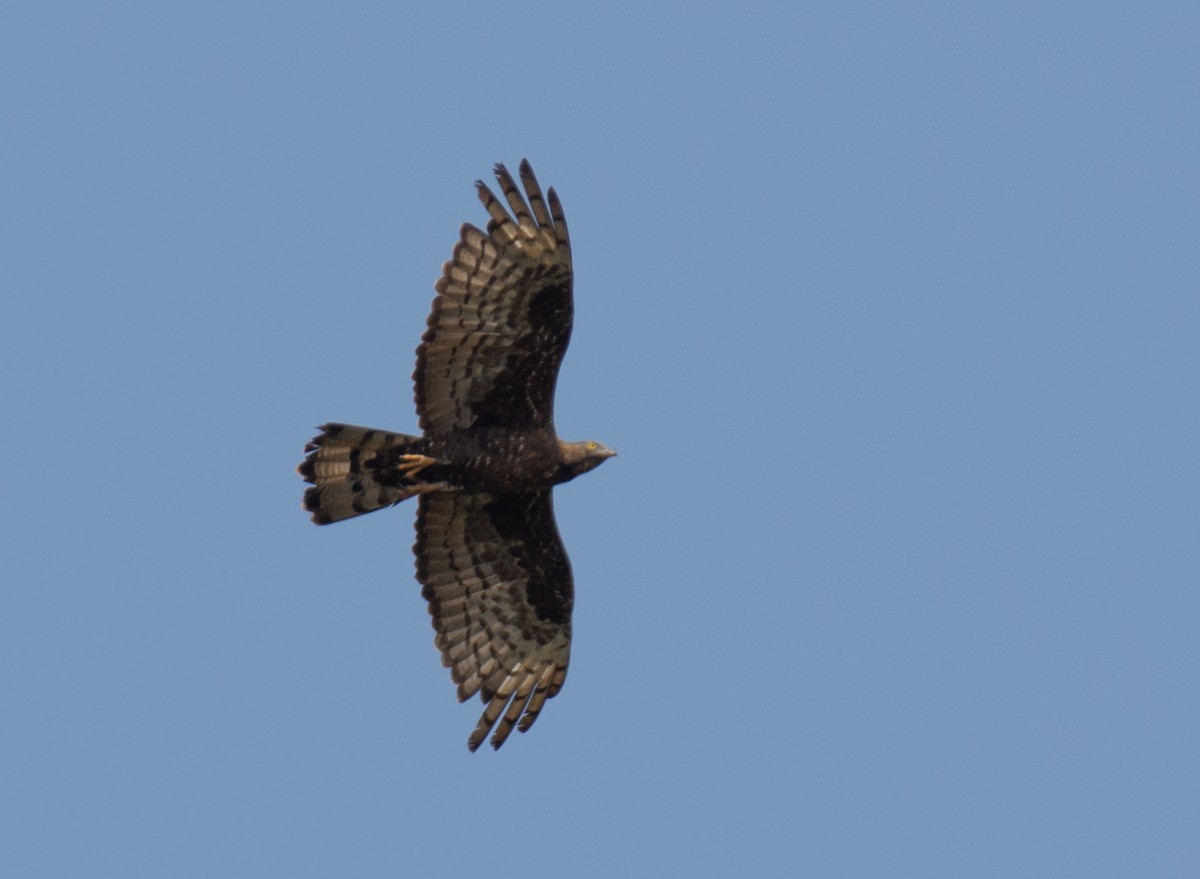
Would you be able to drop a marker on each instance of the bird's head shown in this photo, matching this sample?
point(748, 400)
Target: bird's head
point(583, 456)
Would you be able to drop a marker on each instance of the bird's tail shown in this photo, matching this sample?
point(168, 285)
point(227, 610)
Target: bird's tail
point(354, 470)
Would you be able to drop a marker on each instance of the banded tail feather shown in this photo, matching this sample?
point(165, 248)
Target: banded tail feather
point(356, 470)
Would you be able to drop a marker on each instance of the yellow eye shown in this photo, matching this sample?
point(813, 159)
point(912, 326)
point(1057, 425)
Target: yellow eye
point(591, 446)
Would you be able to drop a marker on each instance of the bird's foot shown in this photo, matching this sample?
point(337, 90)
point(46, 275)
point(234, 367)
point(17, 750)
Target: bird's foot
point(410, 465)
point(427, 487)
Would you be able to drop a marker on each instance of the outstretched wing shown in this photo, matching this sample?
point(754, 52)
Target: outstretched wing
point(501, 321)
point(500, 591)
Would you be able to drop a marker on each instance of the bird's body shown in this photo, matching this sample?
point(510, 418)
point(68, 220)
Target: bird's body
point(492, 565)
point(535, 459)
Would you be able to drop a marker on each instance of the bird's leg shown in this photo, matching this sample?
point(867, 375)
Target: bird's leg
point(409, 466)
point(426, 487)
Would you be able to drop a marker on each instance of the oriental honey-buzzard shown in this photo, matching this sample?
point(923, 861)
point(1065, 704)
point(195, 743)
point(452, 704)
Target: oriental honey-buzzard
point(488, 553)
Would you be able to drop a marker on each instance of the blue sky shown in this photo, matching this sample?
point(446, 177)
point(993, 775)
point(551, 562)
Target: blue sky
point(891, 310)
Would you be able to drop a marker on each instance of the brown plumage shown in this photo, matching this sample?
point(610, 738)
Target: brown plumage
point(489, 557)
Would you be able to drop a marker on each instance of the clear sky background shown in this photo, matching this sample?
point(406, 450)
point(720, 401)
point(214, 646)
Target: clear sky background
point(892, 311)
